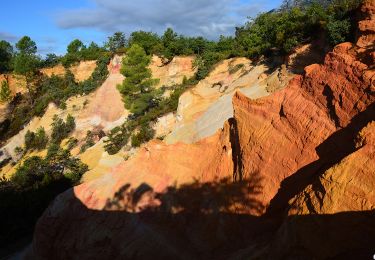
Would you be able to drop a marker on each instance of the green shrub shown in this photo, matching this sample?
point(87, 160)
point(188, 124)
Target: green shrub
point(145, 134)
point(6, 56)
point(5, 93)
point(61, 129)
point(72, 142)
point(234, 69)
point(338, 31)
point(117, 138)
point(89, 141)
point(37, 141)
point(51, 60)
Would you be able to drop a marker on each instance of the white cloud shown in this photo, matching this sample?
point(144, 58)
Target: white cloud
point(8, 37)
point(208, 18)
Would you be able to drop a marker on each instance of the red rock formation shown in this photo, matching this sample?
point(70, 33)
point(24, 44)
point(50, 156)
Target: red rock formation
point(279, 134)
point(367, 25)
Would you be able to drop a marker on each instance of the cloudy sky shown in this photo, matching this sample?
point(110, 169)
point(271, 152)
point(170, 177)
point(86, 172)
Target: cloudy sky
point(53, 24)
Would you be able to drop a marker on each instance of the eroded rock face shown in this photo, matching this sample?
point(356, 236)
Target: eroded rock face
point(81, 71)
point(334, 215)
point(280, 134)
point(204, 108)
point(174, 72)
point(346, 186)
point(367, 26)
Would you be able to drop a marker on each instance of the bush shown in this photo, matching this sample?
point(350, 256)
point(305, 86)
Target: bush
point(36, 140)
point(89, 141)
point(6, 56)
point(145, 134)
point(234, 69)
point(72, 142)
point(338, 31)
point(61, 129)
point(5, 93)
point(51, 60)
point(117, 138)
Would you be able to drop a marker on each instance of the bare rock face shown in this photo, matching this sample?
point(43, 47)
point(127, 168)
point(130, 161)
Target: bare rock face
point(367, 26)
point(279, 134)
point(204, 108)
point(174, 72)
point(334, 215)
point(81, 71)
point(346, 186)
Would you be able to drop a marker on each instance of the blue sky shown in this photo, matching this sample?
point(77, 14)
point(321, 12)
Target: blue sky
point(53, 24)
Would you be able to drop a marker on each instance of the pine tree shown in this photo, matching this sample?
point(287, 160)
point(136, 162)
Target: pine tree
point(137, 86)
point(5, 93)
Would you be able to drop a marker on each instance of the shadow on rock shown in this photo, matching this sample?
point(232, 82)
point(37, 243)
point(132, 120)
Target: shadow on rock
point(194, 221)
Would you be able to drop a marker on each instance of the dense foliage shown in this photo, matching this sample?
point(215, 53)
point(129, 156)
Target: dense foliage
point(61, 129)
point(77, 51)
point(37, 140)
point(116, 42)
point(296, 22)
point(6, 54)
point(50, 60)
point(137, 87)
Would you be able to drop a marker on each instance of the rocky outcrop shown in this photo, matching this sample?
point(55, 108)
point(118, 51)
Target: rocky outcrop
point(204, 108)
point(366, 26)
point(81, 71)
point(280, 134)
point(346, 186)
point(334, 215)
point(173, 72)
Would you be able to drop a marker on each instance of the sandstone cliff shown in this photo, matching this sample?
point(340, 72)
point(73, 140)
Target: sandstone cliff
point(81, 71)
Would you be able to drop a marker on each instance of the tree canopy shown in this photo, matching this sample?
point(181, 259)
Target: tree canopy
point(26, 46)
point(6, 55)
point(116, 42)
point(137, 86)
point(26, 62)
point(75, 46)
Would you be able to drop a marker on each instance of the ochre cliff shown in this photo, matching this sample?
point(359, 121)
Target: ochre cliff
point(280, 134)
point(81, 71)
point(291, 175)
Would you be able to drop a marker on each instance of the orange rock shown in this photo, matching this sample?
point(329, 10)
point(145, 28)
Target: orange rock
point(81, 71)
